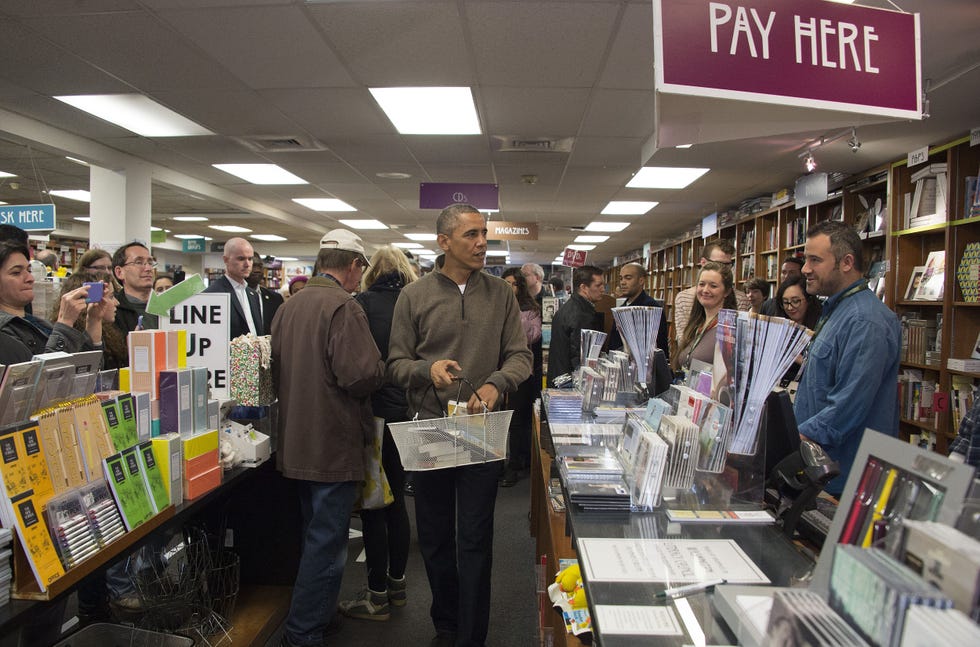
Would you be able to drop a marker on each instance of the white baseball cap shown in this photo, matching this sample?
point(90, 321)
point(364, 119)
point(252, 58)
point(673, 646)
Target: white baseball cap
point(345, 240)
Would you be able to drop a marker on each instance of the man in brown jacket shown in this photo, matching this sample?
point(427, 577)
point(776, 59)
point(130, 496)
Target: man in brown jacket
point(325, 366)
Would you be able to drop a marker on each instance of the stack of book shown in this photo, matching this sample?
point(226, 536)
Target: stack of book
point(563, 405)
point(594, 480)
point(873, 591)
point(915, 396)
point(6, 573)
point(963, 364)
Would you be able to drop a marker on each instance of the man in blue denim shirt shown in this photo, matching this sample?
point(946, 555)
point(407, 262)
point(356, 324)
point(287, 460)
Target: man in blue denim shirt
point(850, 377)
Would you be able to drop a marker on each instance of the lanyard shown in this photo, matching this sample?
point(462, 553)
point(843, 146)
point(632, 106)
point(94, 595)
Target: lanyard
point(697, 340)
point(854, 289)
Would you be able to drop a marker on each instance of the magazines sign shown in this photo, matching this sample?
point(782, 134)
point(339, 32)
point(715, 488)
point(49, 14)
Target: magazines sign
point(808, 53)
point(501, 230)
point(574, 257)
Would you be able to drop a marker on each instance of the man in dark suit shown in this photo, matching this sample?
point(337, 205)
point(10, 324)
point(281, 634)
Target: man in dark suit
point(631, 280)
point(269, 300)
point(246, 313)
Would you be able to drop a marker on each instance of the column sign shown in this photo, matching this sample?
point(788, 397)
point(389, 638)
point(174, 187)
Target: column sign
point(808, 53)
point(500, 230)
point(29, 217)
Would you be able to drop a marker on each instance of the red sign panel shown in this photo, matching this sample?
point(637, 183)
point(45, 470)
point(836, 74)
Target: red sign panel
point(574, 257)
point(811, 53)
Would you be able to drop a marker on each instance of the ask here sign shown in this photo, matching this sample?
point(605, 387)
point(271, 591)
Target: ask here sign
point(811, 53)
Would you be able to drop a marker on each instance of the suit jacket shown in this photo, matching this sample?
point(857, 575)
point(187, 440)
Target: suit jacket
point(271, 300)
point(644, 299)
point(239, 324)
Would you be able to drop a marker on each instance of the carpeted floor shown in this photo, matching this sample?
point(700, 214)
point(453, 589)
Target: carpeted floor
point(513, 620)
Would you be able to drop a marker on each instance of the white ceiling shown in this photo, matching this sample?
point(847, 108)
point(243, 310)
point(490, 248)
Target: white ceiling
point(290, 68)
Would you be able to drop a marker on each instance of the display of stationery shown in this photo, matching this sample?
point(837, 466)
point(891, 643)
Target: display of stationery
point(872, 591)
point(682, 439)
point(928, 626)
point(71, 530)
point(946, 558)
point(17, 392)
point(639, 326)
point(6, 573)
point(562, 404)
point(123, 475)
point(591, 344)
point(101, 510)
point(765, 349)
point(803, 618)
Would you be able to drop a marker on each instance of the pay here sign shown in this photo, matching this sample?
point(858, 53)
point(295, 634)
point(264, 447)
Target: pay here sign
point(810, 53)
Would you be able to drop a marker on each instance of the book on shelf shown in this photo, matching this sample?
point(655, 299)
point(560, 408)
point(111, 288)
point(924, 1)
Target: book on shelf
point(968, 273)
point(933, 279)
point(929, 170)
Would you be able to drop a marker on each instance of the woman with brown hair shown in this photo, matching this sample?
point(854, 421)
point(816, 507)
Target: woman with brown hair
point(713, 291)
point(114, 351)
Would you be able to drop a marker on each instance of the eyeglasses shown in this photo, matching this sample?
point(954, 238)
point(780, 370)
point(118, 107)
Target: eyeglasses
point(143, 262)
point(792, 303)
point(99, 268)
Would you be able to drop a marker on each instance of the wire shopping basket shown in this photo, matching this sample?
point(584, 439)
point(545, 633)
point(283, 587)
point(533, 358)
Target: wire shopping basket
point(452, 441)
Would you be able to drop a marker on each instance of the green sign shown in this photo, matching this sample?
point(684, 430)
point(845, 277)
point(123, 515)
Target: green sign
point(194, 245)
point(158, 237)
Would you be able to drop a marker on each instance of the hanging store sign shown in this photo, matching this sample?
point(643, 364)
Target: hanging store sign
point(439, 195)
point(574, 257)
point(207, 319)
point(809, 53)
point(194, 244)
point(500, 230)
point(29, 217)
point(810, 189)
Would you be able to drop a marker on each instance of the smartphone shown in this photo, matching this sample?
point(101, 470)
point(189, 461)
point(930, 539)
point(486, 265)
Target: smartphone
point(95, 289)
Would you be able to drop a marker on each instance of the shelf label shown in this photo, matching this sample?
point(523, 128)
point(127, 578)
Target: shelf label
point(974, 136)
point(918, 156)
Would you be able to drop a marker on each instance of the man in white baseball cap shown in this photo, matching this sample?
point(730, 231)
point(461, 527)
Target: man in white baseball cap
point(345, 240)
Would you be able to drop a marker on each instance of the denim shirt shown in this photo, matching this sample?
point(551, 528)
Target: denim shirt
point(850, 379)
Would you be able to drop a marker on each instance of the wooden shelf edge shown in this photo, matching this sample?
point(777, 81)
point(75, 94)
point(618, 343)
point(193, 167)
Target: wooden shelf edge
point(259, 611)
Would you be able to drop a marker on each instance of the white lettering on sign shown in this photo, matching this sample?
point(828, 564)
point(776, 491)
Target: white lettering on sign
point(21, 216)
point(918, 156)
point(831, 38)
point(512, 231)
point(721, 14)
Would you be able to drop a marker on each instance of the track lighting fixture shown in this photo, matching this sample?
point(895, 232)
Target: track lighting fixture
point(853, 142)
point(809, 163)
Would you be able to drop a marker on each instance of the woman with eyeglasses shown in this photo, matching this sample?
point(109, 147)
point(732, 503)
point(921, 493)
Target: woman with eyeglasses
point(114, 350)
point(794, 303)
point(98, 261)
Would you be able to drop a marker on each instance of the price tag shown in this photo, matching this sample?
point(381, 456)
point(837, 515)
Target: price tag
point(919, 156)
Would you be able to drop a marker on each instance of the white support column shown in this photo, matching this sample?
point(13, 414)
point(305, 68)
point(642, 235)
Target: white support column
point(120, 208)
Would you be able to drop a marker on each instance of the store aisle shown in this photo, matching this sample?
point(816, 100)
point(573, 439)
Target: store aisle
point(513, 620)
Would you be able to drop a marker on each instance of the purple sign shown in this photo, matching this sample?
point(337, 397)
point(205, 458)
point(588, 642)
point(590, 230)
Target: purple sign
point(439, 195)
point(809, 53)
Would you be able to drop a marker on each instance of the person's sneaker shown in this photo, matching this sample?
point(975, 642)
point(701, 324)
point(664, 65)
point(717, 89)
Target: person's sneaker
point(397, 591)
point(368, 605)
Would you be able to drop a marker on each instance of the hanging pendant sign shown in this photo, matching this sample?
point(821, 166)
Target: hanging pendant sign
point(439, 195)
point(574, 257)
point(29, 217)
point(807, 53)
point(501, 230)
point(810, 189)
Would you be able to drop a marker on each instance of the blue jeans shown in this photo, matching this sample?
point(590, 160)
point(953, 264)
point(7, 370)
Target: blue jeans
point(326, 515)
point(454, 514)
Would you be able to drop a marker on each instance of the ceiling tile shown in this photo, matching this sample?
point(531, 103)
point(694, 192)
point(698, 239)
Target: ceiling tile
point(630, 61)
point(620, 113)
point(233, 113)
point(331, 112)
point(533, 112)
point(606, 151)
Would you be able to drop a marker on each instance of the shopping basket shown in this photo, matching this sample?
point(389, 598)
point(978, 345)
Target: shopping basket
point(452, 441)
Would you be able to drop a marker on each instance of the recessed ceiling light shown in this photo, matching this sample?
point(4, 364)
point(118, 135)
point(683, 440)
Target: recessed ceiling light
point(78, 218)
point(429, 111)
point(421, 236)
point(393, 176)
point(665, 177)
point(136, 113)
point(627, 208)
point(286, 258)
point(261, 173)
point(188, 236)
point(269, 238)
point(601, 225)
point(583, 248)
point(408, 245)
point(231, 229)
point(324, 204)
point(683, 145)
point(591, 239)
point(190, 218)
point(5, 174)
point(76, 160)
point(72, 194)
point(364, 224)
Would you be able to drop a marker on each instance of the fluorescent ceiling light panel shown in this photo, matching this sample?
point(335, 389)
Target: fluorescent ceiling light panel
point(269, 238)
point(2, 202)
point(190, 218)
point(601, 225)
point(324, 204)
point(583, 248)
point(286, 258)
point(78, 218)
point(429, 111)
point(261, 173)
point(136, 113)
point(627, 208)
point(408, 245)
point(665, 177)
point(5, 174)
point(591, 239)
point(156, 229)
point(421, 236)
point(683, 145)
point(189, 236)
point(364, 224)
point(72, 194)
point(231, 229)
point(497, 252)
point(76, 160)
